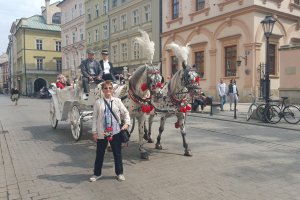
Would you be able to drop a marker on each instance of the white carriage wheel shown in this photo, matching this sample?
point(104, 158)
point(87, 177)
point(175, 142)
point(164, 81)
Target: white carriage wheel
point(76, 123)
point(53, 119)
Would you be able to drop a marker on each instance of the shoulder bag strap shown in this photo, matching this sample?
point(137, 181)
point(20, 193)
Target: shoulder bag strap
point(110, 110)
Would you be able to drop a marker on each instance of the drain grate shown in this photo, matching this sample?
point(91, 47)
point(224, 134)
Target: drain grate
point(3, 132)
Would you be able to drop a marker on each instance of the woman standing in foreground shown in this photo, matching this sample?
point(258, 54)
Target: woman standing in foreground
point(106, 129)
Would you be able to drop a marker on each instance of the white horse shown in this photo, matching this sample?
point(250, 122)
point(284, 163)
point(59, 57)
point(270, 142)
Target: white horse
point(136, 96)
point(175, 100)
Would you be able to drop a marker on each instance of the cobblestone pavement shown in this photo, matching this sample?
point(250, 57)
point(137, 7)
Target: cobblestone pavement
point(232, 160)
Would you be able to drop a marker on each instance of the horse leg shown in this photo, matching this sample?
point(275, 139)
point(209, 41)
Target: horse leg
point(150, 121)
point(161, 129)
point(181, 119)
point(145, 132)
point(143, 152)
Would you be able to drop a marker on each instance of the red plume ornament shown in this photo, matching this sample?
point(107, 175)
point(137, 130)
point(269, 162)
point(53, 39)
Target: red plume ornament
point(198, 79)
point(159, 85)
point(182, 109)
point(144, 87)
point(188, 107)
point(177, 124)
point(144, 108)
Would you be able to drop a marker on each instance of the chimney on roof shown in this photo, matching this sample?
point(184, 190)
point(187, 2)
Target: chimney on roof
point(47, 3)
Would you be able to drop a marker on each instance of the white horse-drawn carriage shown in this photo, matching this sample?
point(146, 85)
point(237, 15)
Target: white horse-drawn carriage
point(142, 95)
point(68, 103)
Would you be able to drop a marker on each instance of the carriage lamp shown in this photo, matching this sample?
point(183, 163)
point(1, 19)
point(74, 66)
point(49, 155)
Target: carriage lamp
point(245, 57)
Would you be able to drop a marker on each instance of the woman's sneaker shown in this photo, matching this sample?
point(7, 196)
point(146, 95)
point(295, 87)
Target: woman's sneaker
point(121, 177)
point(95, 178)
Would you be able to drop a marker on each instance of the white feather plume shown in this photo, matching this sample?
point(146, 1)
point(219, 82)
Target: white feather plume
point(146, 44)
point(181, 52)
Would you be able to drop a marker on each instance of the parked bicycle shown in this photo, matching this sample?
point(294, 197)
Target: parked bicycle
point(290, 113)
point(252, 107)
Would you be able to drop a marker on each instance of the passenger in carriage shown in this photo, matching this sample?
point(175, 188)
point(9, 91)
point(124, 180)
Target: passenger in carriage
point(62, 82)
point(107, 67)
point(91, 71)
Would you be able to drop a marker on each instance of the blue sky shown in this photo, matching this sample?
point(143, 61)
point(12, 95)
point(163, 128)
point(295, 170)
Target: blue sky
point(10, 10)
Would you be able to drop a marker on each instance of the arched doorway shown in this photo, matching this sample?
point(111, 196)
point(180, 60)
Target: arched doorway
point(38, 84)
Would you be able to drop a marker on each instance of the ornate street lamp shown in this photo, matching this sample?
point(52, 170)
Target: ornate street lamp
point(267, 24)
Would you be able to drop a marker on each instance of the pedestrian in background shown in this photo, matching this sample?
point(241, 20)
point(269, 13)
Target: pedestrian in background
point(14, 95)
point(232, 93)
point(221, 88)
point(106, 128)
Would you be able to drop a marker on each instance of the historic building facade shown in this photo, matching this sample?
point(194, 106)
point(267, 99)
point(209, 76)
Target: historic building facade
point(4, 74)
point(72, 35)
point(125, 19)
point(97, 25)
point(220, 33)
point(35, 50)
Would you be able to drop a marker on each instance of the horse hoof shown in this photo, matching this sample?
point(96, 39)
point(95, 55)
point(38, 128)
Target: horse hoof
point(158, 146)
point(188, 152)
point(150, 140)
point(145, 156)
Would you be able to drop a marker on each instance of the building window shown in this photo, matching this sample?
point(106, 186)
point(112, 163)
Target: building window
point(58, 46)
point(199, 62)
point(124, 51)
point(97, 11)
point(147, 13)
point(105, 32)
point(272, 59)
point(174, 64)
point(56, 18)
point(105, 6)
point(114, 53)
point(96, 35)
point(135, 17)
point(81, 34)
point(123, 22)
point(58, 65)
point(114, 3)
point(39, 44)
point(67, 40)
point(67, 62)
point(200, 4)
point(39, 63)
point(89, 38)
point(175, 9)
point(230, 60)
point(74, 37)
point(114, 25)
point(89, 16)
point(136, 51)
point(123, 1)
point(297, 2)
point(80, 9)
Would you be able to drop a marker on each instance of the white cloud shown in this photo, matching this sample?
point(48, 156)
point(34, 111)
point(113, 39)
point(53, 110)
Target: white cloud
point(15, 9)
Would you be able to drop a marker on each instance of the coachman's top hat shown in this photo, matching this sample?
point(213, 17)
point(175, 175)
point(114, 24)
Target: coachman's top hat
point(104, 52)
